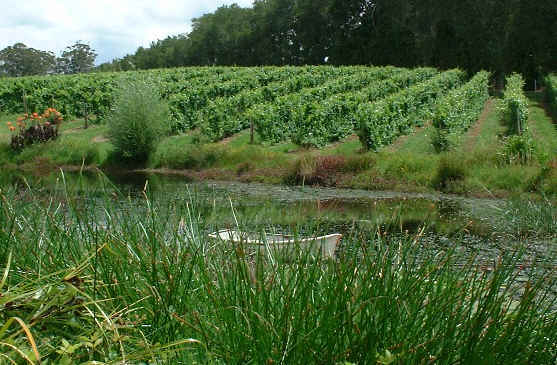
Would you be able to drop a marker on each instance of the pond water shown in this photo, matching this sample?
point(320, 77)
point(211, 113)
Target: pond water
point(479, 228)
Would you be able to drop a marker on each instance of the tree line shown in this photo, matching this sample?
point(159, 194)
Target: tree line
point(501, 36)
point(497, 35)
point(20, 60)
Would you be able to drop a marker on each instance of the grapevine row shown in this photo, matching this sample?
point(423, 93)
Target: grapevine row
point(226, 117)
point(382, 121)
point(219, 110)
point(325, 120)
point(457, 111)
point(515, 105)
point(551, 91)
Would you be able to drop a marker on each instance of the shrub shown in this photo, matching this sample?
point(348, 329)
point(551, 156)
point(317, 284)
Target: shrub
point(450, 170)
point(440, 140)
point(43, 128)
point(316, 170)
point(518, 149)
point(138, 120)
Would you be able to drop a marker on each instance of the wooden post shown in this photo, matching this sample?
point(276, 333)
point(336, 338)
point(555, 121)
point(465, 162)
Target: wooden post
point(25, 110)
point(86, 116)
point(251, 132)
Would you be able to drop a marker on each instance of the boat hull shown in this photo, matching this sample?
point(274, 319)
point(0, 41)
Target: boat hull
point(324, 246)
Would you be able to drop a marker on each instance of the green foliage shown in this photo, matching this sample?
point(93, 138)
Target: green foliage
point(514, 107)
point(518, 149)
point(551, 91)
point(440, 140)
point(77, 58)
point(138, 120)
point(225, 116)
point(380, 122)
point(457, 111)
point(309, 120)
point(20, 60)
point(450, 170)
point(67, 94)
point(495, 35)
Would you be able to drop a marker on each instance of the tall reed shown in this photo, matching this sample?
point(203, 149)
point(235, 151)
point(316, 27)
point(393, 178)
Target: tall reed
point(141, 275)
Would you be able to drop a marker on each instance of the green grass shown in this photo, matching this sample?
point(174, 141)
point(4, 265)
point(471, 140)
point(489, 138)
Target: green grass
point(137, 280)
point(4, 131)
point(350, 146)
point(74, 146)
point(418, 142)
point(542, 125)
point(487, 142)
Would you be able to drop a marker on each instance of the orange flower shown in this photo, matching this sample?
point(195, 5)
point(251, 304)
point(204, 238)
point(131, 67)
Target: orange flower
point(20, 119)
point(12, 128)
point(35, 115)
point(9, 124)
point(47, 124)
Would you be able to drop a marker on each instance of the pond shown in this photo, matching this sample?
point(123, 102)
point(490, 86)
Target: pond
point(485, 229)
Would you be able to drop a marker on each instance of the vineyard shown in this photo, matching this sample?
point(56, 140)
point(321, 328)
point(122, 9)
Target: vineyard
point(310, 106)
point(551, 90)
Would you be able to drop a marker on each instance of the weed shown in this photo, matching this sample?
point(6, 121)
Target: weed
point(518, 149)
point(449, 171)
point(244, 168)
point(358, 163)
point(316, 170)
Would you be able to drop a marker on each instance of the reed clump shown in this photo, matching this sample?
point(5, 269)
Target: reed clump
point(136, 279)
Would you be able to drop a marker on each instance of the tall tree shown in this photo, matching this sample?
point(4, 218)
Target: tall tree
point(20, 60)
point(77, 58)
point(498, 35)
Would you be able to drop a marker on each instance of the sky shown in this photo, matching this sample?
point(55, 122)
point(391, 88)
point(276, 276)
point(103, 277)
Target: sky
point(113, 28)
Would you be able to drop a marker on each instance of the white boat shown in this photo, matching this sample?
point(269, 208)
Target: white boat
point(272, 243)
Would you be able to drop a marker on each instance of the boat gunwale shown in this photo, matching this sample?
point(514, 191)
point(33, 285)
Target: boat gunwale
point(258, 242)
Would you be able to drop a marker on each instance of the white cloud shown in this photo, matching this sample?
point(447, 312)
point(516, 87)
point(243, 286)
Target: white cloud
point(113, 28)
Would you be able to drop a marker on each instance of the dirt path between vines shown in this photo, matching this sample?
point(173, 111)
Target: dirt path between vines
point(473, 134)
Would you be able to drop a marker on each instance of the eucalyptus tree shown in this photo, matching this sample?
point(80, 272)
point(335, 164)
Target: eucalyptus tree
point(77, 58)
point(20, 60)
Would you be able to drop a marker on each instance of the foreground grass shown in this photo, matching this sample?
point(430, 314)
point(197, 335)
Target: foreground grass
point(135, 279)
